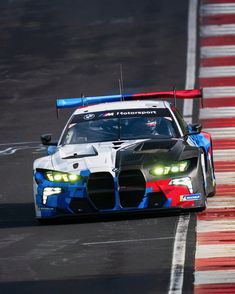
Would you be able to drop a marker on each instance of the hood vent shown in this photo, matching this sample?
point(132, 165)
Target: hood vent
point(164, 145)
point(117, 145)
point(86, 152)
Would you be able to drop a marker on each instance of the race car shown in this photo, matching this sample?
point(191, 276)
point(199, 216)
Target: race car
point(125, 153)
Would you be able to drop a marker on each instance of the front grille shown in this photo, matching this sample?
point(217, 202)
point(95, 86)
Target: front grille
point(100, 189)
point(131, 188)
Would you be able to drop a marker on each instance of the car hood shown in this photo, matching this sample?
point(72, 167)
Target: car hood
point(107, 156)
point(152, 151)
point(93, 157)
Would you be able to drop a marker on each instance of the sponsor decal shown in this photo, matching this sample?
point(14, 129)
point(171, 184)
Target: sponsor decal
point(89, 116)
point(107, 114)
point(191, 197)
point(130, 113)
point(47, 208)
point(160, 112)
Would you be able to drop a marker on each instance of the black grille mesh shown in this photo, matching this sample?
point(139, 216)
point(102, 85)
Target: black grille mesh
point(131, 188)
point(100, 189)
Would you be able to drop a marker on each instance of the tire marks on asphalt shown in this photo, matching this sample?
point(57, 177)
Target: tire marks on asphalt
point(8, 149)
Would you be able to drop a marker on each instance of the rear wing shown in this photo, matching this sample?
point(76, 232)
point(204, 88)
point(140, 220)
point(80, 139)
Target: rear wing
point(85, 101)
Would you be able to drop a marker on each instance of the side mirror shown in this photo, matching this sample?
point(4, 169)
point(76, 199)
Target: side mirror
point(194, 129)
point(46, 140)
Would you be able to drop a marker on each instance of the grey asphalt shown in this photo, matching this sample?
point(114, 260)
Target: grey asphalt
point(52, 49)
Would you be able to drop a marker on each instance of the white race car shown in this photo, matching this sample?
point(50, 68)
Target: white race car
point(124, 156)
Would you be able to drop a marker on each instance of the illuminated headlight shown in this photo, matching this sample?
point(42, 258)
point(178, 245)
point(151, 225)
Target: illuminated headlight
point(48, 191)
point(182, 182)
point(54, 176)
point(162, 170)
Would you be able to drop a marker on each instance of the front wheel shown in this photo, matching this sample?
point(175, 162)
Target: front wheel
point(211, 190)
point(202, 190)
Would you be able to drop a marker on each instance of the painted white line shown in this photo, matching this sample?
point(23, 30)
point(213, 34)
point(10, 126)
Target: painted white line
point(221, 8)
point(178, 259)
point(126, 241)
point(217, 30)
point(218, 92)
point(191, 58)
point(222, 225)
point(217, 112)
point(217, 71)
point(214, 277)
point(224, 155)
point(217, 51)
point(215, 250)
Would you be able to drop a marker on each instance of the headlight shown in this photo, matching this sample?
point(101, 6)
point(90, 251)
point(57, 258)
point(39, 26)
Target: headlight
point(182, 182)
point(162, 170)
point(54, 176)
point(49, 191)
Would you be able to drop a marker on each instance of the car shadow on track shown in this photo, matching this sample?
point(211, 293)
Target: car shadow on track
point(155, 282)
point(109, 217)
point(13, 215)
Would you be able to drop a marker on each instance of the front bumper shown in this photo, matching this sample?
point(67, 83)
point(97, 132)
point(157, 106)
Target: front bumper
point(91, 197)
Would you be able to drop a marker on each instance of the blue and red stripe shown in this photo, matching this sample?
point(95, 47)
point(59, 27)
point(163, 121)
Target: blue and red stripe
point(84, 101)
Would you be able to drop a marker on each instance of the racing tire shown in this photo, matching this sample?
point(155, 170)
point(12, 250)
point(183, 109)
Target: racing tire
point(203, 189)
point(211, 191)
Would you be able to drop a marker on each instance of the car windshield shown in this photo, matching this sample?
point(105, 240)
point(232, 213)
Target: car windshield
point(116, 127)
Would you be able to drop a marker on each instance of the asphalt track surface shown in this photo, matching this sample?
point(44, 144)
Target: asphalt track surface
point(52, 49)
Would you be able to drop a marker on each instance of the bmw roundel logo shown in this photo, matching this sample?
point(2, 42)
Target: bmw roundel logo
point(89, 116)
